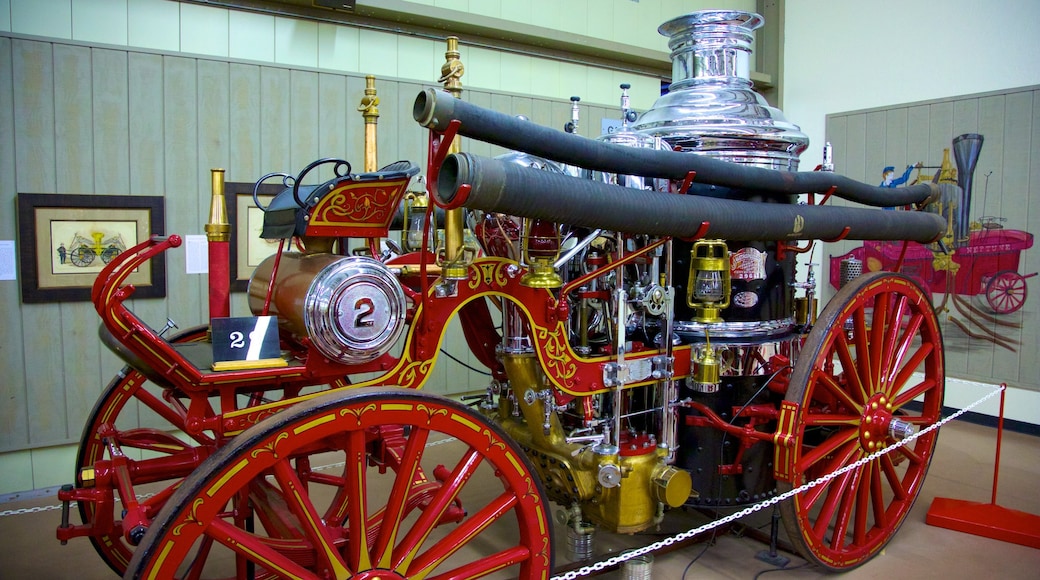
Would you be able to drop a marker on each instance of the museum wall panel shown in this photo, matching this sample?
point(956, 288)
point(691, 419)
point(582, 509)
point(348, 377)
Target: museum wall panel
point(92, 120)
point(984, 342)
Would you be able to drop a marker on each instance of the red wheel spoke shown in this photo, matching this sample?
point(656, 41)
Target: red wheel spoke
point(904, 375)
point(859, 338)
point(396, 505)
point(821, 451)
point(890, 344)
point(313, 527)
point(357, 501)
point(412, 542)
point(151, 440)
point(840, 459)
point(848, 365)
point(461, 535)
point(831, 386)
point(828, 420)
point(275, 516)
point(835, 493)
point(925, 386)
point(247, 545)
point(159, 406)
point(909, 454)
point(877, 496)
point(892, 477)
point(863, 495)
point(877, 337)
point(487, 565)
point(846, 507)
point(900, 350)
point(922, 420)
point(201, 556)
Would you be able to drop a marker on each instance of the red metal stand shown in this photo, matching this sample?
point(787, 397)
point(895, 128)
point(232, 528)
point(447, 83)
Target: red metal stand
point(987, 519)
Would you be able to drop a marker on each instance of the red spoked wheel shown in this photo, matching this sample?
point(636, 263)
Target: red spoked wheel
point(147, 423)
point(127, 401)
point(876, 349)
point(483, 514)
point(1006, 292)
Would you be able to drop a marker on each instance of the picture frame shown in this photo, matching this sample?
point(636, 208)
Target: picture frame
point(247, 248)
point(65, 240)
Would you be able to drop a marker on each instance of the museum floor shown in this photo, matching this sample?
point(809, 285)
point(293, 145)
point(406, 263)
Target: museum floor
point(962, 469)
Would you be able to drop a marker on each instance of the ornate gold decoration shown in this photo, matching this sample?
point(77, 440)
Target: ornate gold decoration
point(192, 517)
point(431, 412)
point(270, 447)
point(556, 351)
point(357, 412)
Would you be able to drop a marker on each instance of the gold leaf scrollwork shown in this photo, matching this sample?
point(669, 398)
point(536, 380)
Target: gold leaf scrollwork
point(556, 358)
point(357, 412)
point(414, 373)
point(431, 412)
point(493, 441)
point(270, 447)
point(192, 517)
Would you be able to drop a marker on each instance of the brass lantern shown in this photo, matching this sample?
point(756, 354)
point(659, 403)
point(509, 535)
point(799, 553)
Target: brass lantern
point(540, 246)
point(415, 204)
point(708, 289)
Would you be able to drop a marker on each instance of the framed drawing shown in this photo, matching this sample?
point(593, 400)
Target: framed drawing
point(65, 240)
point(247, 248)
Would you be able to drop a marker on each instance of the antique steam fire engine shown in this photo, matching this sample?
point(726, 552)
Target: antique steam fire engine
point(636, 299)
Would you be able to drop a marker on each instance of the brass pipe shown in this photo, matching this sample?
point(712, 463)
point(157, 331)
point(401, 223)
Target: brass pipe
point(218, 228)
point(218, 238)
point(454, 259)
point(369, 109)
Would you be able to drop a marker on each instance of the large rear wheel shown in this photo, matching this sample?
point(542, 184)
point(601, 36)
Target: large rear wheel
point(870, 373)
point(481, 514)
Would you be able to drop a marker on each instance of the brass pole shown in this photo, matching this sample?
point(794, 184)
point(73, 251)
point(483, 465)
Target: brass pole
point(454, 260)
point(218, 237)
point(218, 229)
point(369, 109)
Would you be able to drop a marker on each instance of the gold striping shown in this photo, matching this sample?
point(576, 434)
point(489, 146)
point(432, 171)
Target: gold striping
point(223, 480)
point(465, 421)
point(160, 559)
point(314, 423)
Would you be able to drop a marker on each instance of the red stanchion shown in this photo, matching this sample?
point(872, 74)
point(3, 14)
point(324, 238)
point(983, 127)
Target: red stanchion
point(987, 519)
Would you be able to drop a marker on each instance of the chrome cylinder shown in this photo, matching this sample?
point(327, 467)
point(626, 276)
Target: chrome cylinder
point(711, 108)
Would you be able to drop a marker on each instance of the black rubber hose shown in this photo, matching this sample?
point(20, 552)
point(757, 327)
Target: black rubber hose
point(436, 109)
point(499, 186)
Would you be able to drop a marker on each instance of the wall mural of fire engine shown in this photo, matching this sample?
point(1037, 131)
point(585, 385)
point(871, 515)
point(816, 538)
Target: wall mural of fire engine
point(979, 274)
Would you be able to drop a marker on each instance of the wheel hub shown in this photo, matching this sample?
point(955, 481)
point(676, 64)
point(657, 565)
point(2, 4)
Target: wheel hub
point(876, 422)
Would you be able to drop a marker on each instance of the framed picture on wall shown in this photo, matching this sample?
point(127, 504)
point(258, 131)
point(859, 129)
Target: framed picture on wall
point(64, 241)
point(248, 249)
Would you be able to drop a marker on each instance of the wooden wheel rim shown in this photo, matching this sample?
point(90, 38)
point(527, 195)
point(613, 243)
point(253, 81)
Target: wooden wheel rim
point(195, 510)
point(882, 327)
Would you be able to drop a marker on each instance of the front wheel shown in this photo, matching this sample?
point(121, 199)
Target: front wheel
point(870, 373)
point(1006, 292)
point(481, 514)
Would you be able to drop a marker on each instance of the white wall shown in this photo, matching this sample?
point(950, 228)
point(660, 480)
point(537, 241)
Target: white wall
point(844, 56)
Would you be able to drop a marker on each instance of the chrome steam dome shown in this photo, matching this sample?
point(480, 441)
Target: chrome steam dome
point(710, 108)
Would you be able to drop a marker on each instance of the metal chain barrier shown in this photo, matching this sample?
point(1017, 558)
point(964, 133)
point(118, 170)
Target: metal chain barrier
point(629, 554)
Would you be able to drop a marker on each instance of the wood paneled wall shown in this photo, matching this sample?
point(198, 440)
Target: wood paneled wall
point(82, 119)
point(1009, 121)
